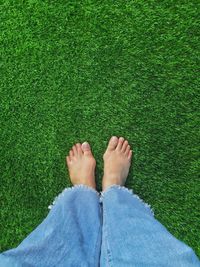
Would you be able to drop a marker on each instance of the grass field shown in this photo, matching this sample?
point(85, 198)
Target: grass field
point(85, 70)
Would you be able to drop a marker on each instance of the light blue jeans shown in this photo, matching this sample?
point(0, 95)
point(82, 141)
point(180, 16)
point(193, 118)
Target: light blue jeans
point(113, 229)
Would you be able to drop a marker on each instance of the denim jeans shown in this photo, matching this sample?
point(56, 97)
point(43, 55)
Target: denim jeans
point(113, 229)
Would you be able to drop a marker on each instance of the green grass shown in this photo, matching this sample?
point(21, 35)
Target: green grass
point(85, 70)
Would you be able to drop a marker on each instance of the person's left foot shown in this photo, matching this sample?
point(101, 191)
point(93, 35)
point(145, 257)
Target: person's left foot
point(81, 165)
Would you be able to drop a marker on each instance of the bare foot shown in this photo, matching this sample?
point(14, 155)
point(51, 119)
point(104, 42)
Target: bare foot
point(117, 161)
point(81, 165)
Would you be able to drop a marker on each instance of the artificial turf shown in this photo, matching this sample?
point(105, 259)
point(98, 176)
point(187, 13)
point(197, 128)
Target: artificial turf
point(85, 70)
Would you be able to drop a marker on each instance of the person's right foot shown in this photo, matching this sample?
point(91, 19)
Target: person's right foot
point(117, 161)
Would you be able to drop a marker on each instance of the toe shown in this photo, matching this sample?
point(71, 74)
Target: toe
point(75, 150)
point(71, 153)
point(68, 160)
point(112, 143)
point(86, 149)
point(130, 154)
point(120, 143)
point(125, 144)
point(127, 150)
point(79, 150)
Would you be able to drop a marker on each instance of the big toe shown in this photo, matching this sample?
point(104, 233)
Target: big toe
point(86, 149)
point(113, 143)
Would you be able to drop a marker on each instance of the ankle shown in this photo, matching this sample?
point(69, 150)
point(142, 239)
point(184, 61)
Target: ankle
point(92, 185)
point(105, 185)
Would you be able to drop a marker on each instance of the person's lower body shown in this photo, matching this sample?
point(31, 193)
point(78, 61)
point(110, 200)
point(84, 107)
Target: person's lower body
point(86, 229)
point(73, 234)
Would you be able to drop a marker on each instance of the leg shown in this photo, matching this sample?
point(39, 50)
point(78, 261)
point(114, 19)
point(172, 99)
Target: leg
point(131, 235)
point(71, 233)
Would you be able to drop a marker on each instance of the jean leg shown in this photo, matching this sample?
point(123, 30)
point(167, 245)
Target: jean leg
point(131, 236)
point(69, 236)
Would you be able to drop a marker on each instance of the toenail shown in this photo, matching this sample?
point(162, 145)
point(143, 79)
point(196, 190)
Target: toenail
point(86, 144)
point(114, 138)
